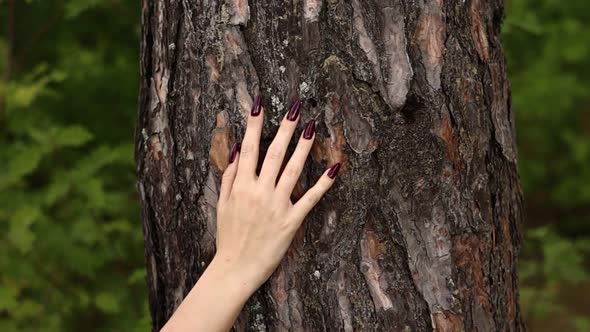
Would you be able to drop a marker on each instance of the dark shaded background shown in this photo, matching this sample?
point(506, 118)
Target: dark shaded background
point(71, 250)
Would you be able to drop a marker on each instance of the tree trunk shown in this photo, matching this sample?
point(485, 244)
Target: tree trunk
point(420, 231)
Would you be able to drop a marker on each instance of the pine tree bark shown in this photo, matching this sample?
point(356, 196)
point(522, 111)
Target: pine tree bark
point(419, 233)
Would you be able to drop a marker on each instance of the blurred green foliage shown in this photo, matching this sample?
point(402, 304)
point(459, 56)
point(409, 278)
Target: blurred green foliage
point(548, 48)
point(72, 252)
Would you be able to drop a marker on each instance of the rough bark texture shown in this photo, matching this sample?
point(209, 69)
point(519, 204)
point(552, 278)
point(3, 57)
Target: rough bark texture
point(419, 233)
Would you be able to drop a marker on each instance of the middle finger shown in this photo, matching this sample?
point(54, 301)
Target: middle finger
point(277, 149)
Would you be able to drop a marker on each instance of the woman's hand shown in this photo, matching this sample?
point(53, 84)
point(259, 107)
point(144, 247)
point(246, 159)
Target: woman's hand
point(256, 219)
point(256, 222)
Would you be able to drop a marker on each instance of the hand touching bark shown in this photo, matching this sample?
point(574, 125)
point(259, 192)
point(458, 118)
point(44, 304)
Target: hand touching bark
point(256, 222)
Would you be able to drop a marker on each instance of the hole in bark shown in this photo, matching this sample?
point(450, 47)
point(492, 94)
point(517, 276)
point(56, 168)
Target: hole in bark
point(312, 102)
point(365, 267)
point(411, 108)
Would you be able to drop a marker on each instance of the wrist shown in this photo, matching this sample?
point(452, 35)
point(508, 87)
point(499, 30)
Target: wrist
point(217, 297)
point(246, 278)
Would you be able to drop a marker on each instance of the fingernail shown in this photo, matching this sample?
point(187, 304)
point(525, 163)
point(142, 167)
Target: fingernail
point(257, 107)
point(334, 171)
point(294, 111)
point(309, 130)
point(233, 152)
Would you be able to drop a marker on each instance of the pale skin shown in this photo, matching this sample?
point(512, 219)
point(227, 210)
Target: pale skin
point(256, 222)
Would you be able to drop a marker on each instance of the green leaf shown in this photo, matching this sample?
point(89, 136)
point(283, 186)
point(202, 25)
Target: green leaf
point(20, 233)
point(23, 163)
point(563, 261)
point(93, 190)
point(107, 302)
point(8, 299)
point(77, 7)
point(138, 275)
point(121, 226)
point(582, 324)
point(72, 136)
point(56, 190)
point(21, 94)
point(27, 309)
point(85, 230)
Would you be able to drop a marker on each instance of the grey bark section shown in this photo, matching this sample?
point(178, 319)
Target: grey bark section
point(420, 231)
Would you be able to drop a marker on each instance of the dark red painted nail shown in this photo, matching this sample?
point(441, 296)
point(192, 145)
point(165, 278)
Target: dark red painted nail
point(233, 152)
point(294, 111)
point(309, 130)
point(257, 107)
point(334, 171)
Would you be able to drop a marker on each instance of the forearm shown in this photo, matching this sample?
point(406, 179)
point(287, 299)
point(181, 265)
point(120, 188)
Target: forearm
point(216, 300)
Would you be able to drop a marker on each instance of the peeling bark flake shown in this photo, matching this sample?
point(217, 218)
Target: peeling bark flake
point(213, 67)
point(446, 321)
point(311, 9)
point(371, 250)
point(288, 305)
point(429, 248)
point(392, 69)
point(236, 66)
point(342, 297)
point(367, 45)
point(467, 254)
point(501, 116)
point(239, 12)
point(358, 130)
point(478, 29)
point(220, 143)
point(399, 70)
point(208, 205)
point(431, 34)
point(331, 149)
point(444, 130)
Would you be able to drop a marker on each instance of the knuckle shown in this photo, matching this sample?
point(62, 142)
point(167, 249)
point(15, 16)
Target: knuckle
point(247, 149)
point(239, 187)
point(246, 190)
point(259, 193)
point(227, 175)
point(240, 192)
point(292, 172)
point(312, 197)
point(274, 153)
point(290, 225)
